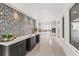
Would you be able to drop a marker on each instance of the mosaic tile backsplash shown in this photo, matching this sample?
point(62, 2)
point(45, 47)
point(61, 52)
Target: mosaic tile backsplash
point(14, 21)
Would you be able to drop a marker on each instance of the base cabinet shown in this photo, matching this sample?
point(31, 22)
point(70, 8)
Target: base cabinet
point(37, 38)
point(1, 50)
point(18, 49)
point(30, 43)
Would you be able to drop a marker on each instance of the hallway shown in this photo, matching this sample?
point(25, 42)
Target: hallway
point(39, 29)
point(48, 46)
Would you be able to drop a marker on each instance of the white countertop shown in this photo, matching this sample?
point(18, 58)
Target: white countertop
point(18, 39)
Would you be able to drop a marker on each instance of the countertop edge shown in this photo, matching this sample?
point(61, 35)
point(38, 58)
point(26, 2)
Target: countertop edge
point(18, 39)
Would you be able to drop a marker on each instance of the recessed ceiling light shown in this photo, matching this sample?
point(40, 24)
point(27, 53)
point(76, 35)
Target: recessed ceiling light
point(46, 16)
point(45, 10)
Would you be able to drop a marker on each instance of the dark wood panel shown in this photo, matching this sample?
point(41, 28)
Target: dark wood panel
point(18, 49)
point(1, 50)
point(30, 43)
point(38, 38)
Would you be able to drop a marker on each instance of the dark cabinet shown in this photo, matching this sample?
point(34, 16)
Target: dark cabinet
point(37, 38)
point(30, 43)
point(18, 49)
point(1, 50)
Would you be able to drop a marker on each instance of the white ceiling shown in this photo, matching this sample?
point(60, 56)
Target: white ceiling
point(43, 12)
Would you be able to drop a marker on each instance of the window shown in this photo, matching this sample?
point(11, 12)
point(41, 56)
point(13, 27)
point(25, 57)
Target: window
point(74, 26)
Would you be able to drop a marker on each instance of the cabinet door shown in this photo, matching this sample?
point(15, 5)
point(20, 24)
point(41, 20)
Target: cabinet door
point(18, 49)
point(31, 42)
point(38, 38)
point(1, 50)
point(28, 44)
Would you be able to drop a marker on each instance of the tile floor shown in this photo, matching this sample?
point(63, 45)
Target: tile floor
point(47, 47)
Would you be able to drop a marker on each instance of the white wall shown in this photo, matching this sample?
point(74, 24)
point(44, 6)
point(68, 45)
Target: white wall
point(53, 24)
point(68, 48)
